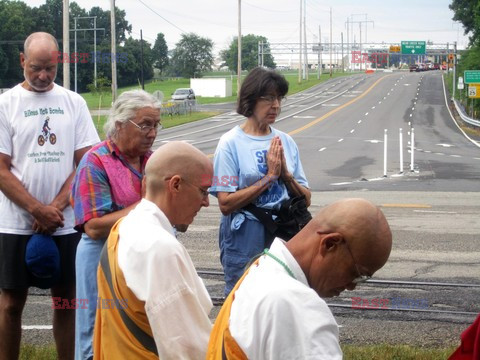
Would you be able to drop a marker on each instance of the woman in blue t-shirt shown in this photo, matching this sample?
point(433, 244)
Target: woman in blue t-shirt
point(254, 164)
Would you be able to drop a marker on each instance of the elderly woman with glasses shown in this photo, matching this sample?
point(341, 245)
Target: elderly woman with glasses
point(254, 163)
point(107, 185)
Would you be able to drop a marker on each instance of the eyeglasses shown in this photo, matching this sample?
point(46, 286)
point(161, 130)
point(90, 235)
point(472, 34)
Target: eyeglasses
point(360, 278)
point(271, 99)
point(147, 128)
point(204, 192)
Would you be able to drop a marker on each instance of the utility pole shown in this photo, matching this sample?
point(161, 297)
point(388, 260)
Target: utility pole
point(360, 22)
point(319, 52)
point(141, 60)
point(66, 44)
point(239, 44)
point(305, 73)
point(114, 50)
point(300, 47)
point(343, 64)
point(331, 42)
point(94, 45)
point(455, 70)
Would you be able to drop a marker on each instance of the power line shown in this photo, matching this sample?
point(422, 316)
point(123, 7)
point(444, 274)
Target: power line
point(156, 13)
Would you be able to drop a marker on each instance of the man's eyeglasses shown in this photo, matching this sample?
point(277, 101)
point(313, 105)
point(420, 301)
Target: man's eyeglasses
point(147, 128)
point(271, 99)
point(360, 278)
point(204, 192)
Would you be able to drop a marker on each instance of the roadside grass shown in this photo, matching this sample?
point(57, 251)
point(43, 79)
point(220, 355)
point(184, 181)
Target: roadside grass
point(394, 352)
point(350, 352)
point(97, 101)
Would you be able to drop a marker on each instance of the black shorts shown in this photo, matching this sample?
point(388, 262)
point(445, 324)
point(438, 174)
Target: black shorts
point(13, 271)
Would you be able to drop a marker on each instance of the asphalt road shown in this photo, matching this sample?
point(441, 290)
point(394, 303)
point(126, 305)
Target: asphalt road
point(339, 127)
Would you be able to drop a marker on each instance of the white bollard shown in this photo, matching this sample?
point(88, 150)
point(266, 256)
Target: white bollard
point(401, 151)
point(411, 149)
point(385, 154)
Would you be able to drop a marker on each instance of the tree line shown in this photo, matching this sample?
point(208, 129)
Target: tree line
point(191, 57)
point(467, 12)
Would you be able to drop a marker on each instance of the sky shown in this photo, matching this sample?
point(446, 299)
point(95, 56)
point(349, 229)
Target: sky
point(388, 21)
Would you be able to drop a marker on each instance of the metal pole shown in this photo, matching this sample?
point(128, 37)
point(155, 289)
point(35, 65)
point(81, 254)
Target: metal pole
point(300, 47)
point(411, 148)
point(401, 151)
point(360, 44)
point(262, 43)
point(95, 52)
point(348, 43)
point(321, 60)
point(385, 153)
point(319, 71)
point(239, 44)
point(114, 49)
point(343, 65)
point(305, 65)
point(141, 60)
point(259, 60)
point(75, 47)
point(66, 44)
point(331, 42)
point(454, 68)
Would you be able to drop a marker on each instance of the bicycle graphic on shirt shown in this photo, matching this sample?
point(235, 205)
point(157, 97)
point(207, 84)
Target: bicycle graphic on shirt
point(46, 135)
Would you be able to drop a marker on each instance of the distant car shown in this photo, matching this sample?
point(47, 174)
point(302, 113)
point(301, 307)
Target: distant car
point(413, 67)
point(444, 66)
point(436, 66)
point(183, 94)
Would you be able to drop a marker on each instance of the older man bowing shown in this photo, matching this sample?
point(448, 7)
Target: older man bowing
point(276, 310)
point(160, 305)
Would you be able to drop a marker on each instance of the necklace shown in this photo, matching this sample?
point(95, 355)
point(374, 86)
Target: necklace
point(290, 272)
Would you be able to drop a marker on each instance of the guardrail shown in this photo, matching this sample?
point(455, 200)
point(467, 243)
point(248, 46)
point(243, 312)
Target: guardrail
point(464, 116)
point(179, 107)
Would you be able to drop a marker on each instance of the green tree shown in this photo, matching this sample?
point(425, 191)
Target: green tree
point(17, 21)
point(249, 53)
point(129, 62)
point(192, 56)
point(468, 13)
point(160, 53)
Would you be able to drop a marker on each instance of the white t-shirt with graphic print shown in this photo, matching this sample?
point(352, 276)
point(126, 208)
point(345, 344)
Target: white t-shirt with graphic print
point(41, 132)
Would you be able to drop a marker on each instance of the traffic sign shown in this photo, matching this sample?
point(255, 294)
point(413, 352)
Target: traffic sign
point(474, 91)
point(395, 48)
point(413, 47)
point(471, 76)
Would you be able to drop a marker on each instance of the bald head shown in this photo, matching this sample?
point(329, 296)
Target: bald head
point(39, 62)
point(362, 224)
point(175, 158)
point(346, 239)
point(40, 40)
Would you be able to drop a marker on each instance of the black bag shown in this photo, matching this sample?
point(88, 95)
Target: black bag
point(292, 216)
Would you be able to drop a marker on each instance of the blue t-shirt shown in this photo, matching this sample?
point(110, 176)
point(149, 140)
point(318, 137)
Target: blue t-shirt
point(241, 160)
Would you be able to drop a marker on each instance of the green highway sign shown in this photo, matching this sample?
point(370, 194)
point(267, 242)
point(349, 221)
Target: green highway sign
point(471, 77)
point(413, 47)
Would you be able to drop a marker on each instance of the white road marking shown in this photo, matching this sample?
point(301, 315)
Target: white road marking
point(359, 121)
point(366, 113)
point(331, 105)
point(37, 327)
point(322, 149)
point(373, 107)
point(373, 141)
point(439, 153)
point(456, 156)
point(435, 212)
point(340, 140)
point(303, 117)
point(446, 145)
point(352, 131)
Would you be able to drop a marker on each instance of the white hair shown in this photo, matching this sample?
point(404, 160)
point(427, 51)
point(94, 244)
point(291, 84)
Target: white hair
point(126, 107)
